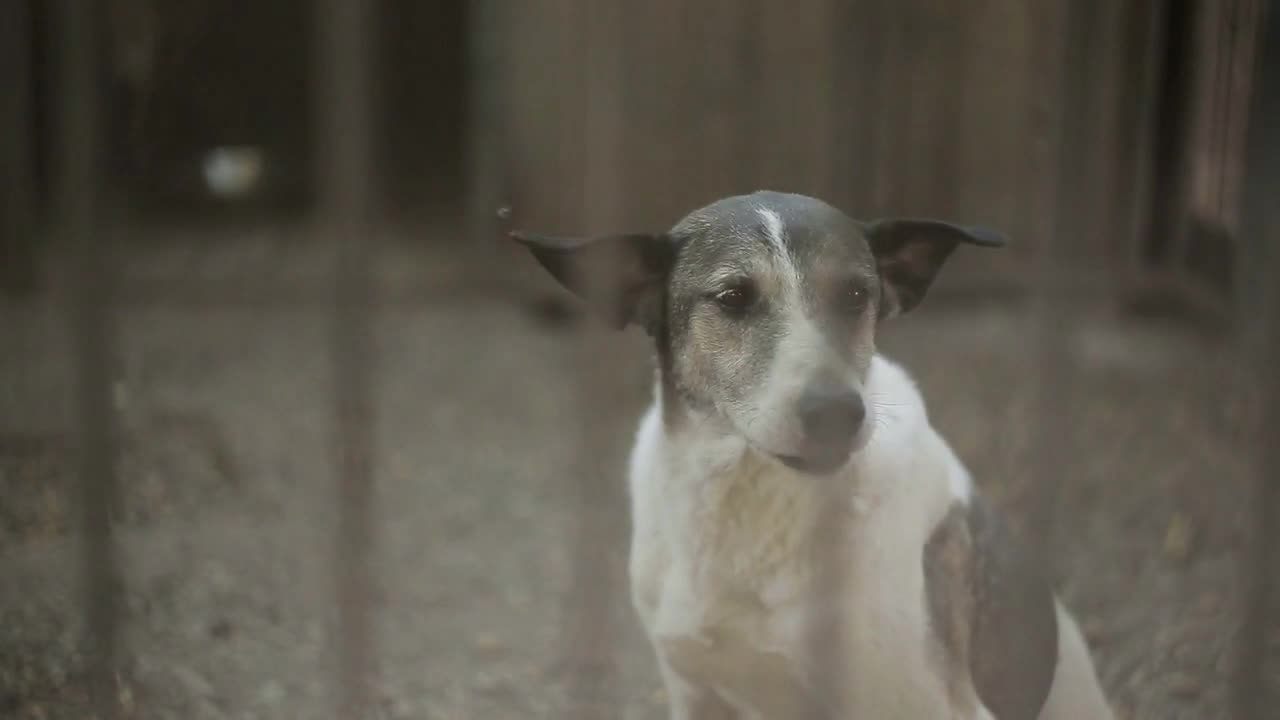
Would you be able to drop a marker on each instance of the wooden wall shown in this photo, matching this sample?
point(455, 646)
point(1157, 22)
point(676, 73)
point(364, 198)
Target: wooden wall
point(1024, 114)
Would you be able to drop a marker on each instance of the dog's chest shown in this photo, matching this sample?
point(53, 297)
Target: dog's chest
point(730, 641)
point(733, 619)
point(741, 592)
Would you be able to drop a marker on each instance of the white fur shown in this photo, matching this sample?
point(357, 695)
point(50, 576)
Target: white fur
point(724, 569)
point(800, 353)
point(773, 230)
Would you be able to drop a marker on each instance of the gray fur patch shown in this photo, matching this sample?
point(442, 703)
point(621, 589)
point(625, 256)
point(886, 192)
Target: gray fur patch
point(713, 362)
point(992, 613)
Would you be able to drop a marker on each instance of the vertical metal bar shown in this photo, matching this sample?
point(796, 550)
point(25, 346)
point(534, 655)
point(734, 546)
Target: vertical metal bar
point(592, 634)
point(90, 256)
point(344, 107)
point(1251, 697)
point(1053, 314)
point(826, 634)
point(1259, 301)
point(487, 176)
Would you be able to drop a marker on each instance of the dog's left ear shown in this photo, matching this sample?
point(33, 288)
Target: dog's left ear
point(910, 252)
point(622, 277)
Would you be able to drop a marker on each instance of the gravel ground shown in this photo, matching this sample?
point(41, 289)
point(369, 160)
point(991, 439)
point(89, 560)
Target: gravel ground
point(226, 524)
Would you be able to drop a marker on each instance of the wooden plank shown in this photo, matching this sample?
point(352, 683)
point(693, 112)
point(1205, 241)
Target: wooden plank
point(1146, 43)
point(858, 46)
point(992, 125)
point(895, 73)
point(664, 162)
point(796, 82)
point(723, 87)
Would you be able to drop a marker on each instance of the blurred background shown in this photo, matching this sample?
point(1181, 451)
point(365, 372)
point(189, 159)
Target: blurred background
point(287, 426)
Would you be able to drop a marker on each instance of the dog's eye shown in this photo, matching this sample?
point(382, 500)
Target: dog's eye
point(853, 297)
point(736, 298)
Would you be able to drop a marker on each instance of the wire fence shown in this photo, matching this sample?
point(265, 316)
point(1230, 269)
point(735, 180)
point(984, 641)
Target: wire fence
point(344, 175)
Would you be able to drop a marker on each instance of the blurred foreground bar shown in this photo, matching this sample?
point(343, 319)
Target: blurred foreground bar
point(593, 618)
point(1258, 298)
point(1056, 268)
point(87, 248)
point(344, 106)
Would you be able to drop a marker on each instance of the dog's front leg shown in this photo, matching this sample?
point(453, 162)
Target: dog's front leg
point(690, 702)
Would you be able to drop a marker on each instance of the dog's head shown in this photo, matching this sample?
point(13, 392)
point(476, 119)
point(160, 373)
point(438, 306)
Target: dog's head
point(764, 308)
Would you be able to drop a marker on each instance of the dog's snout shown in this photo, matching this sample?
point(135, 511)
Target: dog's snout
point(831, 414)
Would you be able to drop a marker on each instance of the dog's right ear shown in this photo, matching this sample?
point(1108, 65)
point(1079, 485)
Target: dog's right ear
point(622, 277)
point(909, 252)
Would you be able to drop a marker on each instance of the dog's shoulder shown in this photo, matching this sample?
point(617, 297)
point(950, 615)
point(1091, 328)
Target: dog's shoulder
point(889, 381)
point(645, 446)
point(991, 609)
point(895, 405)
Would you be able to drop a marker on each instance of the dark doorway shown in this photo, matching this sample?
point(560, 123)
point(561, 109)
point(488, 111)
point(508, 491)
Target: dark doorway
point(223, 79)
point(1201, 122)
point(231, 94)
point(422, 128)
point(1173, 106)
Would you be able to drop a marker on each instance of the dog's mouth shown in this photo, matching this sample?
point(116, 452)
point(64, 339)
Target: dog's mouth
point(824, 463)
point(819, 459)
point(826, 459)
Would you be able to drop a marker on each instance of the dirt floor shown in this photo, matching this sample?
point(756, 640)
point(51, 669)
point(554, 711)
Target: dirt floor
point(226, 525)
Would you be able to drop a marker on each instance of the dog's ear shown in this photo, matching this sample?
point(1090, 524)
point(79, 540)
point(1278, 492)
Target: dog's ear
point(623, 277)
point(910, 252)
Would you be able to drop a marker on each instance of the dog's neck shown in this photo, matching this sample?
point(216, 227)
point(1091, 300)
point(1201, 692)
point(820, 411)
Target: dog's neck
point(756, 520)
point(747, 512)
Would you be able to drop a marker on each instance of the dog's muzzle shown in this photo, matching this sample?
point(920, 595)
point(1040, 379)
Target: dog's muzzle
point(830, 417)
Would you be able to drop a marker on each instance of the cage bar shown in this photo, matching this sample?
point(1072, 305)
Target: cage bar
point(1258, 302)
point(88, 250)
point(344, 107)
point(592, 636)
point(1250, 692)
point(1053, 316)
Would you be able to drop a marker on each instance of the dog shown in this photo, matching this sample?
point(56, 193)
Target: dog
point(803, 543)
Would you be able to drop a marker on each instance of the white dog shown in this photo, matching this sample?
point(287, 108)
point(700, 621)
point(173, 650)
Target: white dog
point(804, 544)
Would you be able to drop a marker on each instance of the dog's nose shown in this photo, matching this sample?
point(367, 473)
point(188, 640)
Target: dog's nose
point(830, 414)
